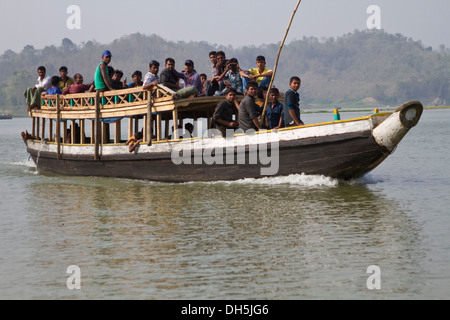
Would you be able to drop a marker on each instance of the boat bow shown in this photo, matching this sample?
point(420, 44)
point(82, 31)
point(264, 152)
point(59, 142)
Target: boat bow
point(391, 131)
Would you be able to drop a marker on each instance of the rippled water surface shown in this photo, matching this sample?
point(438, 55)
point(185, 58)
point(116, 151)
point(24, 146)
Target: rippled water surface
point(297, 237)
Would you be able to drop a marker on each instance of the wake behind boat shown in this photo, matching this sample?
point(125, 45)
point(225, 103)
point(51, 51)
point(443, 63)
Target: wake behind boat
point(94, 145)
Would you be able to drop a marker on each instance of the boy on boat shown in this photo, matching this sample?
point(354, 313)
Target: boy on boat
point(137, 80)
point(151, 79)
point(261, 74)
point(291, 103)
point(65, 80)
point(54, 88)
point(102, 79)
point(223, 115)
point(134, 141)
point(274, 110)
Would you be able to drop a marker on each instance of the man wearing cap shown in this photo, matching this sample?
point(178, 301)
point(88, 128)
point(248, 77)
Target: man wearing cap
point(102, 80)
point(191, 77)
point(169, 77)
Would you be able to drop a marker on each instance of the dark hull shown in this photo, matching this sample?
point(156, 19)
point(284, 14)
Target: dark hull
point(342, 156)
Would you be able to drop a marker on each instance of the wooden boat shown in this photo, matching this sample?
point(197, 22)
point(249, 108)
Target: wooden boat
point(96, 147)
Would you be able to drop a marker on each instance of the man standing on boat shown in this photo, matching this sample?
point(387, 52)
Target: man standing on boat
point(248, 114)
point(102, 80)
point(291, 103)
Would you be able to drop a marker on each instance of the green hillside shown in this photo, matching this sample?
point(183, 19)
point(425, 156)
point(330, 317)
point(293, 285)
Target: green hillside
point(363, 68)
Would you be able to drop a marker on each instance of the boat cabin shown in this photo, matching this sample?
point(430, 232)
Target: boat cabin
point(100, 117)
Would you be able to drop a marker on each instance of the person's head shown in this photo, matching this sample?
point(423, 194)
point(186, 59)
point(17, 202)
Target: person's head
point(170, 63)
point(252, 88)
point(63, 72)
point(203, 77)
point(233, 62)
point(189, 66)
point(118, 74)
point(230, 94)
point(41, 71)
point(261, 61)
point(213, 57)
point(261, 92)
point(137, 76)
point(295, 83)
point(274, 94)
point(154, 67)
point(55, 81)
point(78, 78)
point(220, 56)
point(106, 56)
point(189, 127)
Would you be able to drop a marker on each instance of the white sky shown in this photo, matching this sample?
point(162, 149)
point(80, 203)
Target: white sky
point(228, 22)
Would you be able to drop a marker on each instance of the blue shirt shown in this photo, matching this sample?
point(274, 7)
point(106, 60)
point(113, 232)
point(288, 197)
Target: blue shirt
point(235, 80)
point(274, 114)
point(54, 90)
point(291, 101)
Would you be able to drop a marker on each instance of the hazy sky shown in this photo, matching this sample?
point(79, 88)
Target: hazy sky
point(232, 22)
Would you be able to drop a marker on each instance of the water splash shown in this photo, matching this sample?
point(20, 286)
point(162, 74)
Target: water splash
point(43, 142)
point(294, 179)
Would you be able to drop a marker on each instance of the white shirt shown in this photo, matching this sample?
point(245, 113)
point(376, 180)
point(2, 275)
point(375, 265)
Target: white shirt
point(149, 78)
point(45, 83)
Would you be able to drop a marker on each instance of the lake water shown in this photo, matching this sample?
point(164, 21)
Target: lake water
point(297, 237)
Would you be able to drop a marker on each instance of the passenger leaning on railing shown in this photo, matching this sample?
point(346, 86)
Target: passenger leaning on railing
point(151, 79)
point(78, 86)
point(102, 79)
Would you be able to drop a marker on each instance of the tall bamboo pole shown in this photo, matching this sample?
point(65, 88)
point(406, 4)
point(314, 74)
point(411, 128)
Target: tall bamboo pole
point(149, 128)
point(276, 62)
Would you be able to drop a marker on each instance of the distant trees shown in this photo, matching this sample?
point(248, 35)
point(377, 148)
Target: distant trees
point(388, 68)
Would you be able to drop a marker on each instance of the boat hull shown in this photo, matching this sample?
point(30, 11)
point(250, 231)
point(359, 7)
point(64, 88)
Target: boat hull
point(344, 156)
point(343, 149)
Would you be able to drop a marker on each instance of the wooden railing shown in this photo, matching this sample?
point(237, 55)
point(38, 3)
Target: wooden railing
point(108, 99)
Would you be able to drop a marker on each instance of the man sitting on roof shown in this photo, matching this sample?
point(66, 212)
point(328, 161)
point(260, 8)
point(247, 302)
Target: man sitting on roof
point(137, 79)
point(65, 80)
point(170, 78)
point(191, 77)
point(78, 86)
point(33, 95)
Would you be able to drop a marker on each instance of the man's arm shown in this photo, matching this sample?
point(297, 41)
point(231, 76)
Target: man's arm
point(105, 76)
point(294, 117)
point(266, 74)
point(163, 79)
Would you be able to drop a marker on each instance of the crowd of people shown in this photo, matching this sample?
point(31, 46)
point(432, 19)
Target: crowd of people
point(227, 79)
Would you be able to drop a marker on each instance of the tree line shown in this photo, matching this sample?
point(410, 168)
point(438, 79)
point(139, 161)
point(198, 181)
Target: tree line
point(357, 69)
